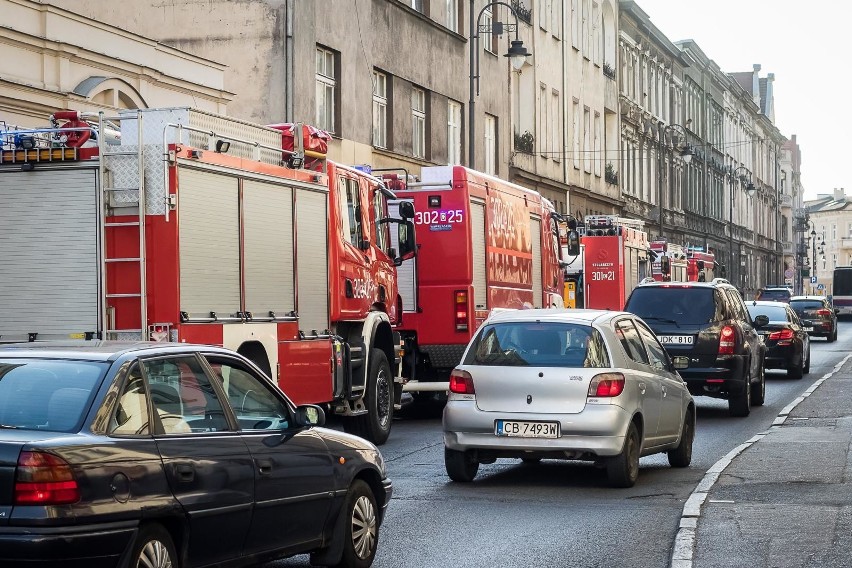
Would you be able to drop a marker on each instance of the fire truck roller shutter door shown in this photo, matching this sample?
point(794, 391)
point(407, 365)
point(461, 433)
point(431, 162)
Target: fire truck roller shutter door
point(312, 259)
point(477, 234)
point(209, 222)
point(538, 289)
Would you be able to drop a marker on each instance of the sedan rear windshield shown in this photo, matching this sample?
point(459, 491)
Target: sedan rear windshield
point(46, 394)
point(806, 305)
point(674, 304)
point(774, 313)
point(538, 344)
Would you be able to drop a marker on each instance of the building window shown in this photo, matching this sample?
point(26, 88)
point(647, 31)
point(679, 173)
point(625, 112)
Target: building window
point(575, 126)
point(597, 149)
point(453, 15)
point(556, 129)
point(575, 23)
point(489, 41)
point(587, 140)
point(490, 144)
point(454, 117)
point(380, 110)
point(543, 122)
point(418, 123)
point(326, 78)
point(416, 4)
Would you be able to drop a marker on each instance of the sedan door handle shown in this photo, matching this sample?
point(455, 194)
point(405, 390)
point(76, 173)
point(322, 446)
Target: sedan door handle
point(185, 472)
point(264, 467)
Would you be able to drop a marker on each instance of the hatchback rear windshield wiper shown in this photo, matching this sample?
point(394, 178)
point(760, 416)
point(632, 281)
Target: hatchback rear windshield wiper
point(664, 320)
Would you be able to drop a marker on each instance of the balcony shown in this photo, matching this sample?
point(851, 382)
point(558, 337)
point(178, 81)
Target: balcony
point(846, 243)
point(786, 201)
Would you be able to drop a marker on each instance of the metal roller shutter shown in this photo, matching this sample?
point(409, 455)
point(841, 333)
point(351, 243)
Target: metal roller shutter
point(477, 233)
point(312, 259)
point(208, 214)
point(268, 248)
point(49, 259)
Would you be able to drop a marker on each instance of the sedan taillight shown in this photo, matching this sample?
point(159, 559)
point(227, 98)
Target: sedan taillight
point(461, 382)
point(824, 313)
point(606, 385)
point(44, 479)
point(727, 340)
point(783, 334)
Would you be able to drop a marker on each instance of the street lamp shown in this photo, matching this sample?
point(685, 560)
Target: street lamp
point(517, 55)
point(686, 153)
point(749, 189)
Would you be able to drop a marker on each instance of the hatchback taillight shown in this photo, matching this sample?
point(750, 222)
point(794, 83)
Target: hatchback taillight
point(783, 334)
point(44, 479)
point(461, 310)
point(461, 382)
point(606, 385)
point(727, 340)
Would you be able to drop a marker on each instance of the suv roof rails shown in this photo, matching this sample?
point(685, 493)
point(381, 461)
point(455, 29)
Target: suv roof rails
point(720, 281)
point(647, 280)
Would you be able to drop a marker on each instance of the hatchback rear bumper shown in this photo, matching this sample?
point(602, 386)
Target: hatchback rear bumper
point(92, 546)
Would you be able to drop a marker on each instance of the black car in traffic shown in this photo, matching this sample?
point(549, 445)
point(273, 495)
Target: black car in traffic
point(787, 343)
point(146, 454)
point(708, 323)
point(818, 316)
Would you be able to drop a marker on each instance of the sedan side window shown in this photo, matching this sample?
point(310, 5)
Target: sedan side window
point(629, 338)
point(656, 352)
point(252, 400)
point(131, 413)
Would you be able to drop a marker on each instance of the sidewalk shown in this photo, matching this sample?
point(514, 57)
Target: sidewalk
point(784, 498)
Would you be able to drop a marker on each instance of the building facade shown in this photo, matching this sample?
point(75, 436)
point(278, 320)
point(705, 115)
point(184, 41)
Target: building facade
point(828, 238)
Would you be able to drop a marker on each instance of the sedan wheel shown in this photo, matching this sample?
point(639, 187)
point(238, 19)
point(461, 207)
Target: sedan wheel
point(154, 549)
point(460, 467)
point(797, 371)
point(623, 469)
point(681, 456)
point(362, 527)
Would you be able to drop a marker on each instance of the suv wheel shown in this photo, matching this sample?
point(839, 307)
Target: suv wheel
point(807, 366)
point(759, 395)
point(740, 404)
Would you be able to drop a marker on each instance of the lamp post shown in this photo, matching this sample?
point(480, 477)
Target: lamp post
point(813, 240)
point(686, 153)
point(749, 189)
point(517, 55)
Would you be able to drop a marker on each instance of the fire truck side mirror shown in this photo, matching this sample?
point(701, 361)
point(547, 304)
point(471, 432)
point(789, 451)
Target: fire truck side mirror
point(665, 265)
point(700, 265)
point(406, 210)
point(407, 245)
point(573, 248)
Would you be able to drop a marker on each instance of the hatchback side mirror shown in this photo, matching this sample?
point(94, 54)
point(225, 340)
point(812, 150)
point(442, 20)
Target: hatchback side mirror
point(309, 415)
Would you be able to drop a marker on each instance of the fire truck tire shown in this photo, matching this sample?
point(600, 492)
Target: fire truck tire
point(375, 425)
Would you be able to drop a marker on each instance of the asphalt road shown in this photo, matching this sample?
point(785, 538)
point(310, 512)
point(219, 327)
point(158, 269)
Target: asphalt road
point(557, 513)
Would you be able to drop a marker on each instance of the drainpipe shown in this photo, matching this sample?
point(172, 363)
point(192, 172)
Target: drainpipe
point(289, 59)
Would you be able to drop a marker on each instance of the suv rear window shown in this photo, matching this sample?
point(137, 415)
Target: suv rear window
point(806, 304)
point(681, 305)
point(538, 345)
point(774, 295)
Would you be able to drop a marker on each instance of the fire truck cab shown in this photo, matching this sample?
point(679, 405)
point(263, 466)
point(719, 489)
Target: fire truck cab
point(186, 226)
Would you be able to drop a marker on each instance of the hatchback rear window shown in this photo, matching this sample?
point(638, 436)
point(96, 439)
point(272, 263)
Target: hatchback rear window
point(678, 305)
point(806, 305)
point(774, 295)
point(538, 345)
point(46, 394)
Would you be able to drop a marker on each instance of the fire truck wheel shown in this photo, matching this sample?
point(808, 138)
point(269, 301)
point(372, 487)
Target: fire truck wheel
point(375, 425)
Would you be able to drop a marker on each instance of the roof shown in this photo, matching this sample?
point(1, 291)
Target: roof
point(808, 298)
point(585, 317)
point(92, 350)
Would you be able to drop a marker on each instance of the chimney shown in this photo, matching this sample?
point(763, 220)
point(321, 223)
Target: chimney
point(839, 194)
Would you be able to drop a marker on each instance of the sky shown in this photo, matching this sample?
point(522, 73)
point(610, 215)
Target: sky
point(806, 45)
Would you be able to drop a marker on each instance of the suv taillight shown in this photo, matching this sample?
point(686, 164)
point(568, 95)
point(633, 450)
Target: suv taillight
point(461, 310)
point(461, 382)
point(606, 385)
point(44, 479)
point(727, 339)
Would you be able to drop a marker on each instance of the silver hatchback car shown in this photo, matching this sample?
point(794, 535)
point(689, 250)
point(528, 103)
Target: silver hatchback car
point(567, 384)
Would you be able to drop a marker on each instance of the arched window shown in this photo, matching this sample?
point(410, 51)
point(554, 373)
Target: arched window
point(609, 39)
point(110, 92)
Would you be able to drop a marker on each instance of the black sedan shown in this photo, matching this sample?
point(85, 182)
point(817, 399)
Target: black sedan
point(787, 343)
point(169, 455)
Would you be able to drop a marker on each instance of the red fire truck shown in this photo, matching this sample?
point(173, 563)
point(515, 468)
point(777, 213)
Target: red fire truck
point(616, 258)
point(701, 265)
point(670, 263)
point(179, 225)
point(483, 243)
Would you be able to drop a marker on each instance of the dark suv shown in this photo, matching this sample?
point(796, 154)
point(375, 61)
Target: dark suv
point(817, 314)
point(709, 323)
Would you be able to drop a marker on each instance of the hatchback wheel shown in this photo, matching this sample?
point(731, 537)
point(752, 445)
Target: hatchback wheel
point(681, 456)
point(361, 534)
point(740, 404)
point(460, 466)
point(623, 469)
point(154, 549)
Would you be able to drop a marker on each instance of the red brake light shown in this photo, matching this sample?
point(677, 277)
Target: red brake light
point(606, 385)
point(726, 340)
point(823, 312)
point(44, 479)
point(461, 382)
point(783, 334)
point(461, 310)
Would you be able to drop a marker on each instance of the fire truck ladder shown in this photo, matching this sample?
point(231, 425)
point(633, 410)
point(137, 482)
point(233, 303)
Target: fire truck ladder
point(111, 160)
